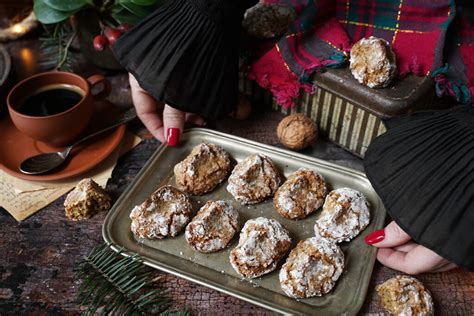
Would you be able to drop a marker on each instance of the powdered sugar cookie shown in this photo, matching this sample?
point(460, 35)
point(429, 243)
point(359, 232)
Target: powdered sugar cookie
point(345, 214)
point(203, 169)
point(262, 244)
point(213, 227)
point(254, 179)
point(312, 268)
point(163, 214)
point(302, 193)
point(405, 295)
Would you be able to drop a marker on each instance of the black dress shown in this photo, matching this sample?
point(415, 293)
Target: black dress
point(423, 170)
point(186, 54)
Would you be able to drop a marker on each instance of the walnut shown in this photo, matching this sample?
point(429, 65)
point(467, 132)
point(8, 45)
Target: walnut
point(297, 131)
point(373, 62)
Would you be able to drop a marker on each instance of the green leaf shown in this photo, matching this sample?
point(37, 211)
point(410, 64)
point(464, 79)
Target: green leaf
point(143, 2)
point(124, 16)
point(140, 11)
point(66, 5)
point(48, 15)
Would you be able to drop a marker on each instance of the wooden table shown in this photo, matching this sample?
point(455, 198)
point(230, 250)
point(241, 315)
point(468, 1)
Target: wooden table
point(38, 254)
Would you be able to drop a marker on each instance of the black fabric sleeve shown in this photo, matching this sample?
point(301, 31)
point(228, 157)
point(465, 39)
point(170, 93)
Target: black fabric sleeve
point(186, 54)
point(423, 170)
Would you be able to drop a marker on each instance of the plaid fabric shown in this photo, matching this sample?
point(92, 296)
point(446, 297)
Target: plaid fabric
point(324, 31)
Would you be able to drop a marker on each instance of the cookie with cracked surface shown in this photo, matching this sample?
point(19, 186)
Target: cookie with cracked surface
point(302, 194)
point(87, 199)
point(267, 20)
point(163, 214)
point(405, 295)
point(373, 62)
point(213, 227)
point(254, 179)
point(203, 169)
point(262, 244)
point(312, 268)
point(345, 214)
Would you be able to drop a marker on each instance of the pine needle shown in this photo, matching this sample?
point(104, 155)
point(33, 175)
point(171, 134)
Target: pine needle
point(56, 47)
point(118, 285)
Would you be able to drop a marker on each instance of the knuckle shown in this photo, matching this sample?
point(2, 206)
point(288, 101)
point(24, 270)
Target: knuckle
point(397, 232)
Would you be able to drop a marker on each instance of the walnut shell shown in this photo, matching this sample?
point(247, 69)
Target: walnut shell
point(297, 131)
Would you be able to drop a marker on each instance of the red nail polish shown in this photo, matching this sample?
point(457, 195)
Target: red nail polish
point(172, 138)
point(375, 237)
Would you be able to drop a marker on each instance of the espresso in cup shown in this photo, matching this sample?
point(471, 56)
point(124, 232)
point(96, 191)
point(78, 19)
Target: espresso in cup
point(51, 99)
point(54, 107)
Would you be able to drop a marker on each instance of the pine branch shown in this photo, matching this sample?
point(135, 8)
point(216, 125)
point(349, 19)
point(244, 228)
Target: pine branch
point(56, 47)
point(120, 285)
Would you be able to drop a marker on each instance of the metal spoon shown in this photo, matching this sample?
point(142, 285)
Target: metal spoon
point(43, 163)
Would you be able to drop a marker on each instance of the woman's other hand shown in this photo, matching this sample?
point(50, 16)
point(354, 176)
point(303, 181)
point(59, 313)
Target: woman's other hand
point(164, 122)
point(398, 251)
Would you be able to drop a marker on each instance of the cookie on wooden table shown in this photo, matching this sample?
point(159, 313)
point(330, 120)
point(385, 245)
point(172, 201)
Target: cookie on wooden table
point(213, 227)
point(312, 268)
point(262, 244)
point(405, 295)
point(85, 200)
point(302, 194)
point(345, 214)
point(254, 179)
point(163, 214)
point(203, 169)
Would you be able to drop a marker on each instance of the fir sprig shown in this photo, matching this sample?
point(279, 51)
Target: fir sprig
point(56, 51)
point(120, 285)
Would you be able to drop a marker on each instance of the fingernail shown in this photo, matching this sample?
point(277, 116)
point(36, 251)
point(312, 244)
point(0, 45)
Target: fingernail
point(172, 136)
point(375, 237)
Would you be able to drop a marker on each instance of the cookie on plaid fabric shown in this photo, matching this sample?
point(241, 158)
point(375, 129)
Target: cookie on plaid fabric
point(373, 62)
point(268, 20)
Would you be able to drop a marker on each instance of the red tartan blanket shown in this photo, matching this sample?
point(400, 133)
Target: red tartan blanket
point(429, 37)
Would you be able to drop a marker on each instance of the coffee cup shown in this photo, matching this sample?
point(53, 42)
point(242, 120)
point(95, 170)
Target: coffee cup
point(55, 107)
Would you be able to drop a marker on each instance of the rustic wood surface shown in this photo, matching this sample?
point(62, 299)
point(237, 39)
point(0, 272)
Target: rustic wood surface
point(38, 254)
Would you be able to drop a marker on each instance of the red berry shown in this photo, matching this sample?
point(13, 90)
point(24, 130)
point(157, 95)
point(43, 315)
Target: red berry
point(124, 27)
point(112, 35)
point(100, 41)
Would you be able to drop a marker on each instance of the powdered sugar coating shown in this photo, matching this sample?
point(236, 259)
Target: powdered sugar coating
point(345, 214)
point(203, 169)
point(301, 194)
point(312, 268)
point(163, 214)
point(373, 62)
point(405, 296)
point(262, 244)
point(213, 227)
point(254, 179)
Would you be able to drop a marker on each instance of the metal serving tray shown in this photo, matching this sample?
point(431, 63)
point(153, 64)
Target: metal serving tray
point(174, 255)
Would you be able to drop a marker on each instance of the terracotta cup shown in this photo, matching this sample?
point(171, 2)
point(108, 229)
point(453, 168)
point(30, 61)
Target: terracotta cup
point(63, 128)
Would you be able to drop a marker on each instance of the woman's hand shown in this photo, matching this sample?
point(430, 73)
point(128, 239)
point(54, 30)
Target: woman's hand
point(398, 251)
point(162, 121)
